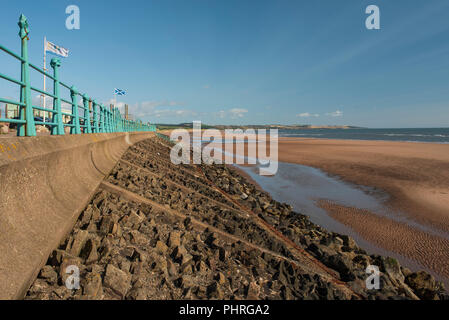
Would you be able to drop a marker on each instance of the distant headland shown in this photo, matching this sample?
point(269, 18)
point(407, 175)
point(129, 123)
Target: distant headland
point(254, 126)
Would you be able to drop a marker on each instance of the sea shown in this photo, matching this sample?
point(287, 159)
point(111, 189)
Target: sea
point(435, 135)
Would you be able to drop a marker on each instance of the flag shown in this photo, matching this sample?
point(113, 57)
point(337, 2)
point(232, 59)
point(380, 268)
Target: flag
point(119, 92)
point(60, 51)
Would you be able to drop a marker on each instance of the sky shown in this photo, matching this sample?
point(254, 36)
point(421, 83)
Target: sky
point(247, 61)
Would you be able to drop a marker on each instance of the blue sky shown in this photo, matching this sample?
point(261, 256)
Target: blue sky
point(247, 61)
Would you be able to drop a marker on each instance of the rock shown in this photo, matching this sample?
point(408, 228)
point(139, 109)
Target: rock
point(202, 267)
point(159, 263)
point(171, 268)
point(79, 239)
point(4, 129)
point(393, 270)
point(348, 242)
point(180, 255)
point(41, 128)
point(406, 271)
point(135, 219)
point(220, 278)
point(93, 288)
point(175, 239)
point(137, 294)
point(161, 247)
point(105, 249)
point(87, 215)
point(244, 196)
point(127, 252)
point(361, 260)
point(138, 238)
point(89, 252)
point(423, 285)
point(342, 264)
point(125, 265)
point(106, 225)
point(253, 291)
point(215, 291)
point(49, 274)
point(117, 280)
point(58, 256)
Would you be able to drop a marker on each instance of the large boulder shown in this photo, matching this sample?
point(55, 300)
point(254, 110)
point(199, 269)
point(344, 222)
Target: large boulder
point(423, 284)
point(117, 280)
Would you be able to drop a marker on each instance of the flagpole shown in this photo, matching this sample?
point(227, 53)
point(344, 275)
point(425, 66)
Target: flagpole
point(45, 65)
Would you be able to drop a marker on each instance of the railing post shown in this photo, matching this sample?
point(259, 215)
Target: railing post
point(111, 121)
point(102, 115)
point(25, 112)
point(111, 118)
point(105, 110)
point(57, 115)
point(75, 129)
point(87, 128)
point(106, 120)
point(116, 120)
point(95, 115)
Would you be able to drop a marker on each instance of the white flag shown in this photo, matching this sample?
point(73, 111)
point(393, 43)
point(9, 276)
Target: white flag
point(60, 51)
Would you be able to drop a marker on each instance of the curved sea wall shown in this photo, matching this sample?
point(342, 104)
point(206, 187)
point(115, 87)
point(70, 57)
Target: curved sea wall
point(45, 182)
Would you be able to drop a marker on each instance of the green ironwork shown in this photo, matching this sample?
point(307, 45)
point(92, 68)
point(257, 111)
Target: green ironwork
point(87, 124)
point(99, 119)
point(76, 128)
point(26, 111)
point(95, 115)
point(57, 113)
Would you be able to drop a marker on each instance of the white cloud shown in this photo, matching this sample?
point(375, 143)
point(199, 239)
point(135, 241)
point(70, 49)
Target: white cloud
point(337, 113)
point(155, 109)
point(233, 113)
point(222, 114)
point(238, 112)
point(307, 115)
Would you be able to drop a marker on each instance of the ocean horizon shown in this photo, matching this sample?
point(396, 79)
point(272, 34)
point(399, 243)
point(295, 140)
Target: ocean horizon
point(434, 135)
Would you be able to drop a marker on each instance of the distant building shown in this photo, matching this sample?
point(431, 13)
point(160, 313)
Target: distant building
point(11, 111)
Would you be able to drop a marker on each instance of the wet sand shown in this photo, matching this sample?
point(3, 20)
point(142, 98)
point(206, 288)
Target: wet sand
point(413, 222)
point(428, 250)
point(415, 175)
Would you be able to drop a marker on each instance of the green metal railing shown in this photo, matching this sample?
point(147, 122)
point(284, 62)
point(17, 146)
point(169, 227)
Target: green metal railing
point(93, 120)
point(163, 136)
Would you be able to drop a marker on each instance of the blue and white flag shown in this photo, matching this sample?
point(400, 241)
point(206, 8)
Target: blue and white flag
point(60, 51)
point(119, 92)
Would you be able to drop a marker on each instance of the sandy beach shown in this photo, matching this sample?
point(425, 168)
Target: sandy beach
point(415, 176)
point(412, 180)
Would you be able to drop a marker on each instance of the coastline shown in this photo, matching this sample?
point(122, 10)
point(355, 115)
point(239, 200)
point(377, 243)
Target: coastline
point(414, 175)
point(411, 178)
point(414, 224)
point(155, 230)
